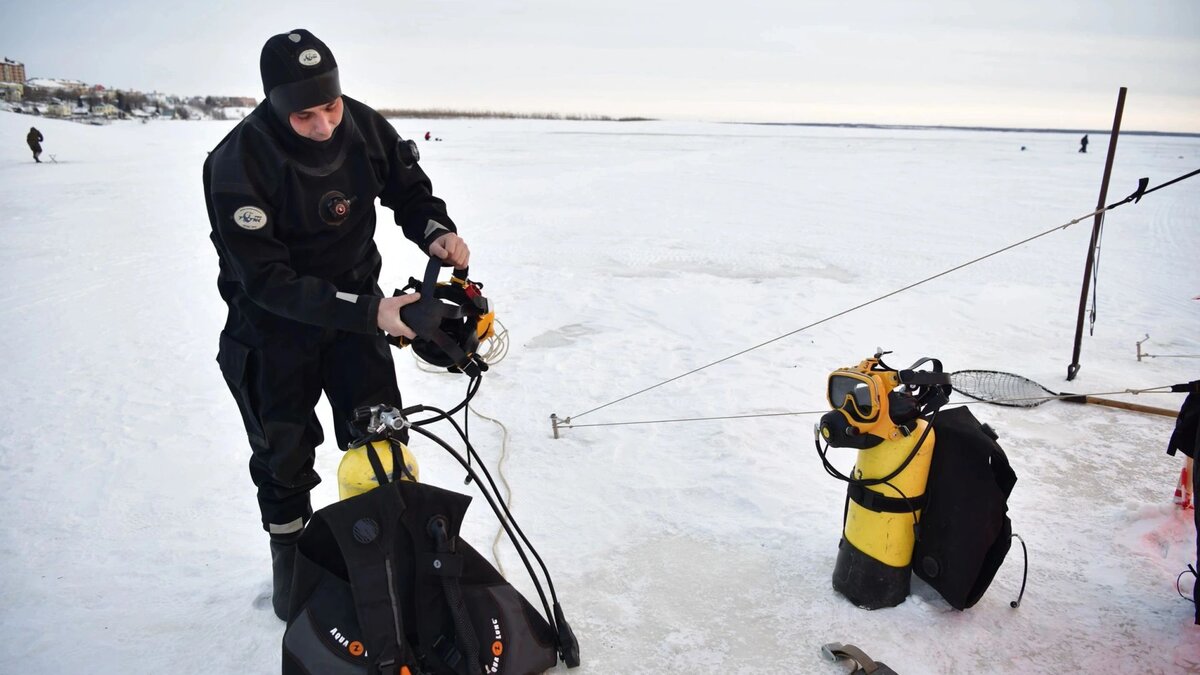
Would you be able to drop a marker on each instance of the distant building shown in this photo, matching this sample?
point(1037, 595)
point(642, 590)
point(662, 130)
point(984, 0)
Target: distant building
point(11, 71)
point(12, 80)
point(230, 102)
point(59, 87)
point(105, 110)
point(103, 93)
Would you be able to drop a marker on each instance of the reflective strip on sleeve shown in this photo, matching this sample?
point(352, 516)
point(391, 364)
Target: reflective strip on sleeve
point(433, 226)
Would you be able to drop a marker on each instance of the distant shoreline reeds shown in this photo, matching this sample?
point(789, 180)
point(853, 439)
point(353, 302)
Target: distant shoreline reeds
point(449, 113)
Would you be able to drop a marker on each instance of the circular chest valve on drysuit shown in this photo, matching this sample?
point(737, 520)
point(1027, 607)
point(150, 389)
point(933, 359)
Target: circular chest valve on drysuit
point(334, 207)
point(451, 319)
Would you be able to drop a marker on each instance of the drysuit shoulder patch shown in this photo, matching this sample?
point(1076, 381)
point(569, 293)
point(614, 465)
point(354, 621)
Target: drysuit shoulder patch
point(250, 218)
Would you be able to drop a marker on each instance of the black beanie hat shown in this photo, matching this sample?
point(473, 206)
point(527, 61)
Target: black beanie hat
point(298, 72)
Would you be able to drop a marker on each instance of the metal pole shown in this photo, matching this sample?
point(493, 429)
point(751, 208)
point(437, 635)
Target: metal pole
point(1073, 369)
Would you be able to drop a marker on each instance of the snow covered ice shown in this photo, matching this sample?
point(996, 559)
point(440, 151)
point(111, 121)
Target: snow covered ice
point(618, 255)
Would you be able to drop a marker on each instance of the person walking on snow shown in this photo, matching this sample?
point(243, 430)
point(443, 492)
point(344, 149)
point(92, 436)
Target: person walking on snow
point(34, 139)
point(291, 199)
point(1083, 143)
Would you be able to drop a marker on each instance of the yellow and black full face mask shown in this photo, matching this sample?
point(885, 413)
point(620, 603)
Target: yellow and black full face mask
point(859, 398)
point(867, 408)
point(450, 321)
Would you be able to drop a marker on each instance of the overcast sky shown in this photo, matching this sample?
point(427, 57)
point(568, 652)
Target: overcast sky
point(1010, 63)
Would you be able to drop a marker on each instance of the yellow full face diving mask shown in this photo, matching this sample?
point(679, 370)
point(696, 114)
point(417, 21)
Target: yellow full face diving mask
point(861, 394)
point(867, 408)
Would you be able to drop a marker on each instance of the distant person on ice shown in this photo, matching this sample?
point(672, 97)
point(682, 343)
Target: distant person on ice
point(1083, 143)
point(291, 199)
point(34, 139)
point(427, 135)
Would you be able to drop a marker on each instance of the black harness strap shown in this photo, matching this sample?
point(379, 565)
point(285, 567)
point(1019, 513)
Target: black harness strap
point(873, 501)
point(448, 565)
point(377, 464)
point(366, 537)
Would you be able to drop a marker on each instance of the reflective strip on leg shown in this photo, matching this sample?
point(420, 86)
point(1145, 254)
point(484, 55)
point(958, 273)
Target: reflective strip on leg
point(286, 528)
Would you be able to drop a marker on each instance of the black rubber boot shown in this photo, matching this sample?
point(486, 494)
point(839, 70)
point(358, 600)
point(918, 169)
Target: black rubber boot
point(283, 564)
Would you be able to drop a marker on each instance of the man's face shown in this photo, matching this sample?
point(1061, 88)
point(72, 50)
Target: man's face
point(318, 122)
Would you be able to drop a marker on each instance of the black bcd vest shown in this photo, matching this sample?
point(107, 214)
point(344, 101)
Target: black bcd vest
point(383, 582)
point(965, 532)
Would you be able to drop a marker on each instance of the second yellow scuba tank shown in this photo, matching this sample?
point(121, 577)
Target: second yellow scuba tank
point(356, 475)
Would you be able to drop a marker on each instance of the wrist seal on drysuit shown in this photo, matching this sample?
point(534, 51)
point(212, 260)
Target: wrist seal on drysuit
point(361, 311)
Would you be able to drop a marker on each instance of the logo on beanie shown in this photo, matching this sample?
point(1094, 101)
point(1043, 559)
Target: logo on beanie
point(310, 57)
point(250, 218)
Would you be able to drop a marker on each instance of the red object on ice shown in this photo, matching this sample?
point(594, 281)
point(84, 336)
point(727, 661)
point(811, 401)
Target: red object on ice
point(1183, 491)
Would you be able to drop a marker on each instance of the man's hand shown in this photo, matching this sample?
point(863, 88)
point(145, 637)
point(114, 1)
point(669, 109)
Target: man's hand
point(451, 248)
point(388, 316)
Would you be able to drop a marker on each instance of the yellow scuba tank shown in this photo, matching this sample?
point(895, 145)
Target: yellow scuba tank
point(356, 475)
point(888, 537)
point(887, 486)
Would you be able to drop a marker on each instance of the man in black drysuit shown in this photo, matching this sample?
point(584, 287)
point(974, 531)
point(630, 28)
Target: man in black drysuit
point(291, 199)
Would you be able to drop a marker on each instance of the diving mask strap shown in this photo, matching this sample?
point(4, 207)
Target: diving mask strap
point(934, 385)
